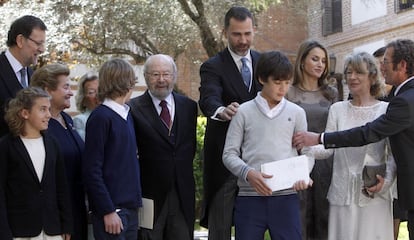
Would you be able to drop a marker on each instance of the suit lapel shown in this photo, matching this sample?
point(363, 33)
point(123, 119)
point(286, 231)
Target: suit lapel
point(21, 149)
point(8, 76)
point(148, 110)
point(256, 86)
point(29, 74)
point(49, 156)
point(178, 115)
point(233, 74)
point(408, 85)
point(69, 123)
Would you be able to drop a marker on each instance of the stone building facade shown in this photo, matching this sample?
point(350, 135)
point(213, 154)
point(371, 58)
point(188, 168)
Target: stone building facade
point(342, 26)
point(364, 25)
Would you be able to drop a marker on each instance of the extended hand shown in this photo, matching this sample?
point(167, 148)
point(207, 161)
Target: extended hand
point(305, 139)
point(229, 111)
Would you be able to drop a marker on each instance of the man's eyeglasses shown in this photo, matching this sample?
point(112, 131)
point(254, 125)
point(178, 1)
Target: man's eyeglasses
point(156, 75)
point(385, 62)
point(39, 44)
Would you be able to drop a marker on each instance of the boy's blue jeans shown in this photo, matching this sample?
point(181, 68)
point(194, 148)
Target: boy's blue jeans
point(278, 214)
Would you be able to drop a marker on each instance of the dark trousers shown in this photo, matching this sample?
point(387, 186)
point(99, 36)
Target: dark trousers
point(170, 223)
point(314, 204)
point(410, 224)
point(278, 214)
point(129, 218)
point(220, 215)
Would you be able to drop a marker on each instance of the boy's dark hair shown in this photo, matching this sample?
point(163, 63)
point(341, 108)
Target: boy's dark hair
point(238, 13)
point(24, 26)
point(305, 47)
point(379, 52)
point(273, 64)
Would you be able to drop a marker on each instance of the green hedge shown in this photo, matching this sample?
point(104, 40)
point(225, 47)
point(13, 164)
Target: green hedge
point(198, 163)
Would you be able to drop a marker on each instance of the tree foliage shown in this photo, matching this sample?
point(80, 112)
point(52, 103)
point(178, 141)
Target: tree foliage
point(137, 28)
point(91, 30)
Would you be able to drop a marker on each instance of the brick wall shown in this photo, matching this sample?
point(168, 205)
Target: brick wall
point(389, 27)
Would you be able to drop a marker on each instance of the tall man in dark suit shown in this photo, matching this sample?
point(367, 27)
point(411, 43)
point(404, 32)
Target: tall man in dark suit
point(397, 124)
point(165, 126)
point(226, 81)
point(26, 41)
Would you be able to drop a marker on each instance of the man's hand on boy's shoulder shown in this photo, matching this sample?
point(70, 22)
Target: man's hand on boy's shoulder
point(229, 111)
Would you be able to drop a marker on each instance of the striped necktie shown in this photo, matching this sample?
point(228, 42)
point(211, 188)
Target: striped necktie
point(165, 114)
point(245, 72)
point(23, 77)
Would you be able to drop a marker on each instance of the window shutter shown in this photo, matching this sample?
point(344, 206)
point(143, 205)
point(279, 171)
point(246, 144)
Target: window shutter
point(337, 16)
point(326, 17)
point(331, 16)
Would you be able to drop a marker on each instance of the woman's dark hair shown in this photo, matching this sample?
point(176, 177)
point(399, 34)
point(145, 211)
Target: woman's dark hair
point(304, 49)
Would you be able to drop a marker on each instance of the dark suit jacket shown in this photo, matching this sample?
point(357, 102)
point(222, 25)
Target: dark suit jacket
point(165, 160)
point(26, 205)
point(72, 147)
point(9, 86)
point(221, 84)
point(397, 124)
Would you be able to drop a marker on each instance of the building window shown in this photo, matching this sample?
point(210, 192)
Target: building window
point(402, 5)
point(332, 16)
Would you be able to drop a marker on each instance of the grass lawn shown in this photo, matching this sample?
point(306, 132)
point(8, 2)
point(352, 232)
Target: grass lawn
point(403, 235)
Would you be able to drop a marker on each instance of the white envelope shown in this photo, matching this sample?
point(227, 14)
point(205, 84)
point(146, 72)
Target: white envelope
point(286, 172)
point(146, 214)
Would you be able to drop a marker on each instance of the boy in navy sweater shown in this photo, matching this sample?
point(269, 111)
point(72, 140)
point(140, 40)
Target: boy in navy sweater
point(110, 165)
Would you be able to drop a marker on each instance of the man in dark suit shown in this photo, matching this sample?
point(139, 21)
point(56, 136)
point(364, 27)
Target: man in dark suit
point(397, 124)
point(224, 86)
point(26, 41)
point(165, 126)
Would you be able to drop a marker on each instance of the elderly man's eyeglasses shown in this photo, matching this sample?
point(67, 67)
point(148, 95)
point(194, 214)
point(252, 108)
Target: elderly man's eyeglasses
point(38, 44)
point(156, 75)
